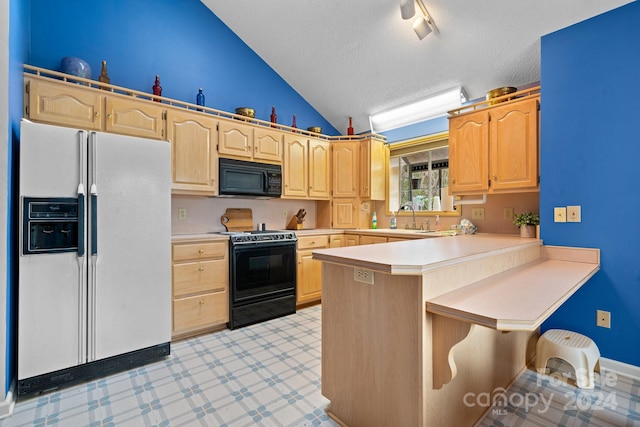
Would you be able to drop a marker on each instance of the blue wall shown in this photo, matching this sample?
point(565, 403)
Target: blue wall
point(181, 41)
point(590, 156)
point(18, 52)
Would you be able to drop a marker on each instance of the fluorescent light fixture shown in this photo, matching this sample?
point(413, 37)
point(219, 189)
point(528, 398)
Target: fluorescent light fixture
point(407, 8)
point(419, 111)
point(421, 27)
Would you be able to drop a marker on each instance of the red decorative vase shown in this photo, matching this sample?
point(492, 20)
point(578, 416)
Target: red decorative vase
point(157, 89)
point(294, 125)
point(274, 118)
point(350, 128)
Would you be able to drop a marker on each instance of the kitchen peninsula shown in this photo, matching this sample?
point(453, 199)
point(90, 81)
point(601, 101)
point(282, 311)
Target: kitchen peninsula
point(411, 328)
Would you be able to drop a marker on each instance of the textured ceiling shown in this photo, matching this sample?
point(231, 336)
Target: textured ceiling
point(358, 57)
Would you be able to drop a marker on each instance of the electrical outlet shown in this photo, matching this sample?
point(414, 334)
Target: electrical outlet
point(573, 214)
point(603, 318)
point(362, 275)
point(182, 213)
point(284, 213)
point(477, 213)
point(559, 214)
point(507, 214)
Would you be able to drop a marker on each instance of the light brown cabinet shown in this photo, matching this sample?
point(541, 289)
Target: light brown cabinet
point(345, 169)
point(200, 277)
point(134, 117)
point(66, 104)
point(337, 240)
point(495, 149)
point(240, 140)
point(306, 167)
point(345, 213)
point(372, 240)
point(194, 159)
point(373, 160)
point(309, 272)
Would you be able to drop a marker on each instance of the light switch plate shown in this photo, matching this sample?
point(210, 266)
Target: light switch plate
point(507, 214)
point(573, 214)
point(182, 213)
point(560, 214)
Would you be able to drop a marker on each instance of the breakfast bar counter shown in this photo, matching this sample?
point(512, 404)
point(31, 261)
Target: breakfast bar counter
point(411, 329)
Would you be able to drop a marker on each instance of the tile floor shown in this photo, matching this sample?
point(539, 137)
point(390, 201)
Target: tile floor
point(269, 375)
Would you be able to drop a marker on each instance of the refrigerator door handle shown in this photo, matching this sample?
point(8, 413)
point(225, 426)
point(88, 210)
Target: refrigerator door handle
point(81, 225)
point(94, 195)
point(94, 225)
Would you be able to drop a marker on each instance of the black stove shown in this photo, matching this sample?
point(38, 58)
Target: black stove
point(261, 236)
point(262, 272)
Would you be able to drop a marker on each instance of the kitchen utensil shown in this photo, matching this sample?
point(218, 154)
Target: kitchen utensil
point(261, 227)
point(237, 219)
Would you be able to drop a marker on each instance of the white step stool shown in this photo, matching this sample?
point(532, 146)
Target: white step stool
point(574, 348)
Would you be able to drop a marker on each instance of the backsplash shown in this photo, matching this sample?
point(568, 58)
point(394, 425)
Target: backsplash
point(203, 213)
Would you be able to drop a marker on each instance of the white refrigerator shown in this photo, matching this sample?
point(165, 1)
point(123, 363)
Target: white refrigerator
point(94, 286)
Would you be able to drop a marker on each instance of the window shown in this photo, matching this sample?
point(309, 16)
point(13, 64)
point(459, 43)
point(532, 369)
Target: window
point(419, 176)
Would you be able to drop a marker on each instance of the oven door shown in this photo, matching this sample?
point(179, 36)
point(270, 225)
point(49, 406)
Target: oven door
point(262, 271)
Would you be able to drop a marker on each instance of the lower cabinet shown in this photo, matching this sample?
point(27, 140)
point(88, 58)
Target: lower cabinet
point(371, 240)
point(200, 275)
point(309, 273)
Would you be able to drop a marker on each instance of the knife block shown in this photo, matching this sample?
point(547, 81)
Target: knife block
point(293, 224)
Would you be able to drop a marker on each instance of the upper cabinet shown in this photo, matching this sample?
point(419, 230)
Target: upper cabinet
point(65, 104)
point(241, 140)
point(345, 169)
point(306, 167)
point(194, 159)
point(495, 149)
point(134, 117)
point(374, 155)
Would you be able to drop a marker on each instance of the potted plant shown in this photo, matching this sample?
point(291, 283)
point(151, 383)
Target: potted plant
point(527, 222)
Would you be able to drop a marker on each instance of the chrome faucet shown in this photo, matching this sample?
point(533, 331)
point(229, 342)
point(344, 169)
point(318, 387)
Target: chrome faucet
point(410, 205)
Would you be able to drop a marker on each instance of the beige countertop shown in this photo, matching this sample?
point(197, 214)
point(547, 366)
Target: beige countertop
point(421, 255)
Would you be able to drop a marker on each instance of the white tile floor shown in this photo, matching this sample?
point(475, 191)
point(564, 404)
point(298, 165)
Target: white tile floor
point(269, 375)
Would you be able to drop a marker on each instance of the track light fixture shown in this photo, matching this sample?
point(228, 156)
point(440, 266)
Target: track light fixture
point(422, 25)
point(407, 8)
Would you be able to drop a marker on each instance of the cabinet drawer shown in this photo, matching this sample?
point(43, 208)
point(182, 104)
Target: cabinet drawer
point(199, 311)
point(200, 250)
point(311, 242)
point(199, 276)
point(372, 240)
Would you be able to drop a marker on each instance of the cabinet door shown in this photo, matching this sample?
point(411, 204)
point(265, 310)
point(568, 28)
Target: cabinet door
point(235, 139)
point(200, 311)
point(345, 167)
point(345, 213)
point(134, 117)
point(372, 240)
point(295, 167)
point(64, 104)
point(514, 146)
point(309, 280)
point(373, 160)
point(469, 153)
point(267, 145)
point(337, 241)
point(351, 240)
point(319, 169)
point(194, 160)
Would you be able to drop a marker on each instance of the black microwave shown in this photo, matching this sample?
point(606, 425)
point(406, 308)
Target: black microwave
point(250, 179)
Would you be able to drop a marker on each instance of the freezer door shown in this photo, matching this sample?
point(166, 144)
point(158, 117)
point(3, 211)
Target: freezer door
point(130, 243)
point(51, 287)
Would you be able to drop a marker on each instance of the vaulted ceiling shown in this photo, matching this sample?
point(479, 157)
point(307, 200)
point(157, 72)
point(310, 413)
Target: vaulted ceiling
point(357, 57)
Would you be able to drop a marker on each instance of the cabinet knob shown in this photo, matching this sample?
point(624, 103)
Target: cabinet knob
point(201, 302)
point(200, 251)
point(201, 269)
point(97, 113)
point(495, 178)
point(108, 115)
point(453, 180)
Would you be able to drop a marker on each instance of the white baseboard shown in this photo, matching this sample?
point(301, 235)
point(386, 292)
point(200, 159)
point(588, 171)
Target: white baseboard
point(6, 406)
point(620, 368)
